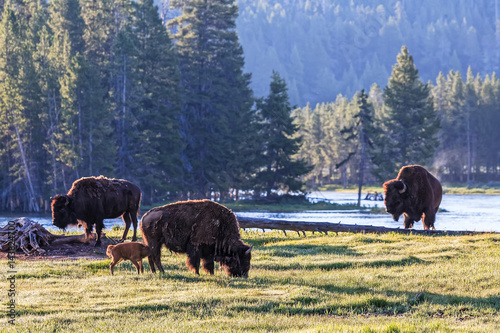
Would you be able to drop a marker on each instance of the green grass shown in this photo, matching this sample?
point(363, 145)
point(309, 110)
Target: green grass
point(318, 283)
point(452, 188)
point(248, 205)
point(474, 189)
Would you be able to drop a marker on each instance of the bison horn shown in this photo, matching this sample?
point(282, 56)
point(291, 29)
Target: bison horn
point(404, 188)
point(249, 250)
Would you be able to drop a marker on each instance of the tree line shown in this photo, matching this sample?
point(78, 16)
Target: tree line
point(351, 44)
point(449, 126)
point(90, 87)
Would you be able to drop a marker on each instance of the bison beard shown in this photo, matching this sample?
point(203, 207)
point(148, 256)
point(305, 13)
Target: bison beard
point(93, 199)
point(202, 229)
point(416, 194)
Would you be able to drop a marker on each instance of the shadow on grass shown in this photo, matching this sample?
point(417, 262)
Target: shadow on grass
point(342, 265)
point(307, 249)
point(259, 242)
point(371, 302)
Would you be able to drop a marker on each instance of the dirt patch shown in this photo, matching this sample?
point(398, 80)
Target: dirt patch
point(33, 242)
point(70, 251)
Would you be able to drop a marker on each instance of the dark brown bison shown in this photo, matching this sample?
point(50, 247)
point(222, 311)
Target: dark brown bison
point(416, 194)
point(201, 228)
point(93, 199)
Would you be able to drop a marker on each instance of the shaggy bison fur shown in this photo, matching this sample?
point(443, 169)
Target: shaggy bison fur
point(416, 194)
point(93, 199)
point(203, 229)
point(132, 251)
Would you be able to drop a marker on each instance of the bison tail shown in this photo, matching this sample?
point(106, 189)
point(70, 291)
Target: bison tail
point(108, 251)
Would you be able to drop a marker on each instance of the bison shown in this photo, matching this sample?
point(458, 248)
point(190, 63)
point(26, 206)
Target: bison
point(132, 251)
point(202, 229)
point(93, 199)
point(416, 194)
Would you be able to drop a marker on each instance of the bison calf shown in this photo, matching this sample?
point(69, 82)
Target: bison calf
point(132, 251)
point(416, 194)
point(203, 229)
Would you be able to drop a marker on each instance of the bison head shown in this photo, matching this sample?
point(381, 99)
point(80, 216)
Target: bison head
point(395, 193)
point(238, 265)
point(63, 213)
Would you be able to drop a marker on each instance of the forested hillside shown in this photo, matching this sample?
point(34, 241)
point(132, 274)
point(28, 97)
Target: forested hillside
point(325, 48)
point(199, 102)
point(98, 87)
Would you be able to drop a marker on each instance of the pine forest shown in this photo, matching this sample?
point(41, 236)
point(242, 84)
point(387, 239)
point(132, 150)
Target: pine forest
point(195, 99)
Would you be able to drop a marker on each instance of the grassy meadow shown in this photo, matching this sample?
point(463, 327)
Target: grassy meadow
point(317, 283)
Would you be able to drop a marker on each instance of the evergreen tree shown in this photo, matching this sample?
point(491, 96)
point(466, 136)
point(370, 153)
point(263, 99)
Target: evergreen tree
point(280, 171)
point(62, 88)
point(98, 143)
point(217, 117)
point(362, 132)
point(410, 124)
point(156, 144)
point(20, 105)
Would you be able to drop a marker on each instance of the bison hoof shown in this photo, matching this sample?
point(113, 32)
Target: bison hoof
point(97, 244)
point(120, 241)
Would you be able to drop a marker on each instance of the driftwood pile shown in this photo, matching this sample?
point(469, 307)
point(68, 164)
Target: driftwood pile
point(31, 237)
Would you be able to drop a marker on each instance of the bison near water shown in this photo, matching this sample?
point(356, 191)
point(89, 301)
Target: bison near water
point(416, 194)
point(93, 199)
point(202, 229)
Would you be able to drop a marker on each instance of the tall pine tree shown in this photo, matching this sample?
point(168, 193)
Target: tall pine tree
point(20, 96)
point(217, 116)
point(362, 133)
point(280, 171)
point(409, 121)
point(156, 143)
point(98, 139)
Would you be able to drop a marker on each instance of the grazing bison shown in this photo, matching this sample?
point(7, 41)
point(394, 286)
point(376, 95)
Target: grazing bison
point(93, 199)
point(132, 251)
point(416, 194)
point(201, 228)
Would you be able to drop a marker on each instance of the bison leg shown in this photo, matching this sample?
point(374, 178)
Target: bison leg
point(408, 222)
point(98, 230)
point(151, 264)
point(193, 259)
point(428, 220)
point(207, 259)
point(128, 221)
point(136, 264)
point(155, 258)
point(130, 218)
point(113, 264)
point(208, 266)
point(133, 215)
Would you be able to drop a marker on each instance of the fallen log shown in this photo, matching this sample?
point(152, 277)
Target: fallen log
point(325, 227)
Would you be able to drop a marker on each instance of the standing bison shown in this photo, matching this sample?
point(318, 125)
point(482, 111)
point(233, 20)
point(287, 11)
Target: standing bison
point(93, 199)
point(201, 228)
point(416, 194)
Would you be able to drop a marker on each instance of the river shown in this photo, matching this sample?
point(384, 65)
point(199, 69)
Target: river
point(461, 212)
